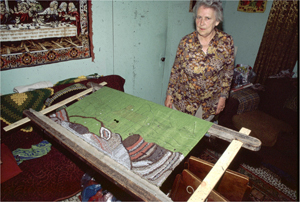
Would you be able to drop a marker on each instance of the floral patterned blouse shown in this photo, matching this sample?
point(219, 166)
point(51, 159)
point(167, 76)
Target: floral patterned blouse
point(199, 78)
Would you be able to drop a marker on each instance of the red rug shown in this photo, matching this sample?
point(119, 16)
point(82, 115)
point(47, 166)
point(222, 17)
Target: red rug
point(266, 185)
point(47, 178)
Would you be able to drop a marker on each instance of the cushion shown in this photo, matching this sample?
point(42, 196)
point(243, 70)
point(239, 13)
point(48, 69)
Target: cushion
point(77, 79)
point(71, 80)
point(9, 166)
point(248, 100)
point(13, 105)
point(66, 93)
point(113, 81)
point(263, 126)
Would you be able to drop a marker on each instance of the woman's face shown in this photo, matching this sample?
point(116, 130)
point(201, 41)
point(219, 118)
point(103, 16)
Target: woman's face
point(206, 21)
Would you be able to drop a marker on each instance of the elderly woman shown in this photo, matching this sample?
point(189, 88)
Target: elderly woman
point(202, 72)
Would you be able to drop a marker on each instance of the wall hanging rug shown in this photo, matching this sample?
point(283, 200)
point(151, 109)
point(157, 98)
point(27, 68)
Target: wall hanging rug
point(252, 6)
point(266, 185)
point(43, 32)
point(147, 138)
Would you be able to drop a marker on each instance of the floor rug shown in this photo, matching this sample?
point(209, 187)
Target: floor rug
point(47, 178)
point(266, 185)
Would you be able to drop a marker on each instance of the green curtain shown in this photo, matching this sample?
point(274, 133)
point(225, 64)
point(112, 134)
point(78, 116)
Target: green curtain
point(279, 46)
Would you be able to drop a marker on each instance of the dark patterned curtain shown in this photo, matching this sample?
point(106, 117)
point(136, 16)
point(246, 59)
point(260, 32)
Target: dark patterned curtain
point(279, 46)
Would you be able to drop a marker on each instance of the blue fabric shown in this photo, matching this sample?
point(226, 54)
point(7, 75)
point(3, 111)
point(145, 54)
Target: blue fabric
point(35, 151)
point(90, 191)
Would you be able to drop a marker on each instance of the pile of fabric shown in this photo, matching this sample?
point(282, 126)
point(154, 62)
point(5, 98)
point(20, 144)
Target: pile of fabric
point(92, 191)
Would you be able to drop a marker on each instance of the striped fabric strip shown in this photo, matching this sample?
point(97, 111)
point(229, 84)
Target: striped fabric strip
point(151, 161)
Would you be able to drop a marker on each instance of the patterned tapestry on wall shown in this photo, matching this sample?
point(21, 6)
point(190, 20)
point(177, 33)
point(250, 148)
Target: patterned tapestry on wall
point(37, 32)
point(252, 6)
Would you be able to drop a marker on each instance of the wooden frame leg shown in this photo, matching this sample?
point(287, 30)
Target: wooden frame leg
point(212, 178)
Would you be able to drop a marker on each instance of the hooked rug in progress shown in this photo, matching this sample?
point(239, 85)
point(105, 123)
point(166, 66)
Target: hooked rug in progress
point(143, 134)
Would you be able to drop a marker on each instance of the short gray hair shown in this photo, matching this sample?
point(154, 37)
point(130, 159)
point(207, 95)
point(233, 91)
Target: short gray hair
point(214, 4)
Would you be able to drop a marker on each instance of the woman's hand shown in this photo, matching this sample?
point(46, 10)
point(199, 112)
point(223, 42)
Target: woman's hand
point(221, 105)
point(168, 101)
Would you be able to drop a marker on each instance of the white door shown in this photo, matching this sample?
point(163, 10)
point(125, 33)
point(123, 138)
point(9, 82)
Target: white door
point(140, 32)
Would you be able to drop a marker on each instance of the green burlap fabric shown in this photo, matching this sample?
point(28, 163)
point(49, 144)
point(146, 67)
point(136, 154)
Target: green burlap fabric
point(13, 105)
